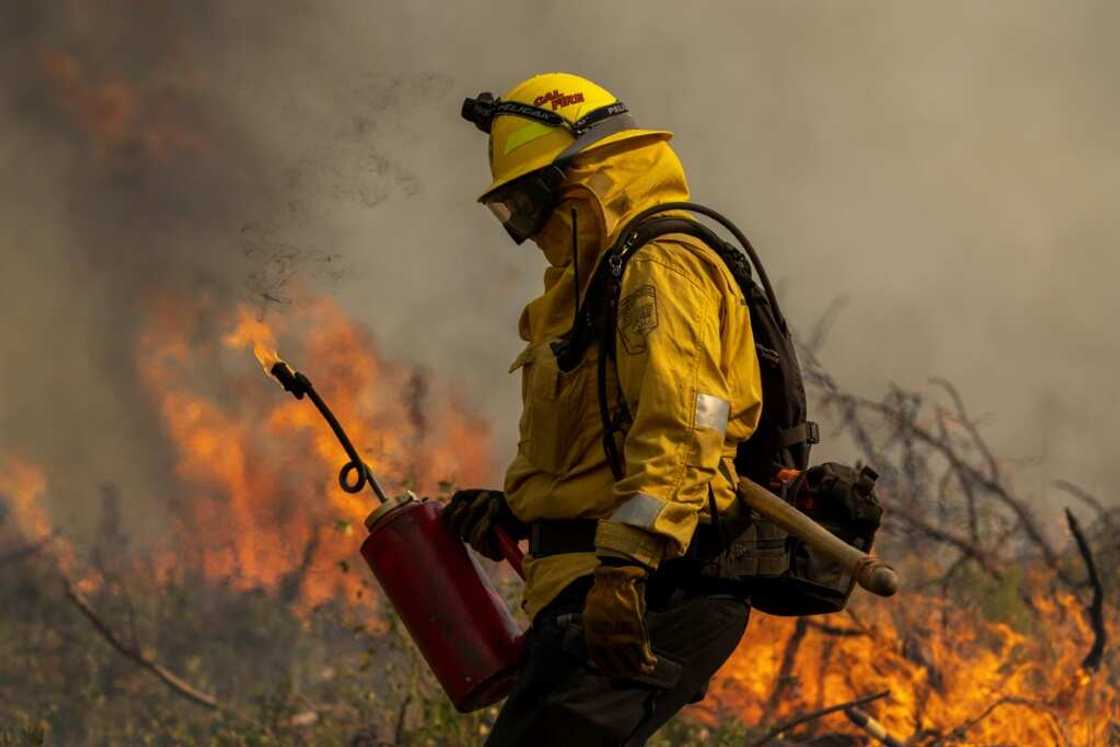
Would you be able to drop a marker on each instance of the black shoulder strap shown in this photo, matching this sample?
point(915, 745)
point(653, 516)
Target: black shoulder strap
point(599, 313)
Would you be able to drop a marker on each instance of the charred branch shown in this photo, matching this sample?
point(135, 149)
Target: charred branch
point(824, 324)
point(958, 734)
point(970, 426)
point(951, 477)
point(1090, 500)
point(968, 473)
point(967, 548)
point(813, 716)
point(402, 719)
point(1025, 516)
point(1095, 611)
point(834, 630)
point(785, 670)
point(903, 459)
point(964, 557)
point(133, 653)
point(292, 582)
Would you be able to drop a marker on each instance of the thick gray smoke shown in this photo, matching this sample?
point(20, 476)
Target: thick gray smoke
point(949, 169)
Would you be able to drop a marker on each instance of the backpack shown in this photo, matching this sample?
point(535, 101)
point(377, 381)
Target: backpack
point(779, 573)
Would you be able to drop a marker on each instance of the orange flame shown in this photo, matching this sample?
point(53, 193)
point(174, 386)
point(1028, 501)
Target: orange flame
point(251, 330)
point(120, 117)
point(23, 488)
point(260, 470)
point(944, 667)
point(267, 358)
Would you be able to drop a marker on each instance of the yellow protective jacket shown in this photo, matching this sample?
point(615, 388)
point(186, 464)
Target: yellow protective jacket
point(686, 365)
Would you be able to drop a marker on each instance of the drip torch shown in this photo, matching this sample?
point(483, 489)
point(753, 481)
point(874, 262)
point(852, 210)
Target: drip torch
point(458, 620)
point(454, 614)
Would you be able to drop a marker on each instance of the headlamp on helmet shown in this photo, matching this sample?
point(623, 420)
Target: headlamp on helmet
point(480, 111)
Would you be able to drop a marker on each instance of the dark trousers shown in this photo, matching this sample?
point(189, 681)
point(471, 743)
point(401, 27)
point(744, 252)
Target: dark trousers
point(562, 699)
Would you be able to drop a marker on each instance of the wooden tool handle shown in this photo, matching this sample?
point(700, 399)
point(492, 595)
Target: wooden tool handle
point(869, 572)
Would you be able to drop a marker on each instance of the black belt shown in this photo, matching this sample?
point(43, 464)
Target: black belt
point(559, 536)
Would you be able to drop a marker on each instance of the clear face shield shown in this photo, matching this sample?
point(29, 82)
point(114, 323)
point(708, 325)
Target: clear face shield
point(524, 205)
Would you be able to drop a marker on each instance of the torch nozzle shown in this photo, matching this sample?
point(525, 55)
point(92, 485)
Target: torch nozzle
point(292, 381)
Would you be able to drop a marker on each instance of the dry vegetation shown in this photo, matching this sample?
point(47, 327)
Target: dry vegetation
point(999, 638)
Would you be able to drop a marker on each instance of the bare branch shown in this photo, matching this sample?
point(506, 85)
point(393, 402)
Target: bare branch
point(292, 581)
point(1092, 660)
point(962, 416)
point(959, 732)
point(967, 472)
point(988, 564)
point(814, 715)
point(836, 630)
point(402, 712)
point(964, 557)
point(965, 485)
point(785, 670)
point(1088, 498)
point(133, 654)
point(824, 323)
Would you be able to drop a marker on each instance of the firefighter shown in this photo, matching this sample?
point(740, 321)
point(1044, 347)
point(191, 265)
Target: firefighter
point(624, 631)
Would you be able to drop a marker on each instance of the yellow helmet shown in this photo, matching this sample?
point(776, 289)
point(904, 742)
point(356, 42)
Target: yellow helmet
point(547, 120)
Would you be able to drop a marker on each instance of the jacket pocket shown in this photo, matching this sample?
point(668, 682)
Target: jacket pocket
point(555, 426)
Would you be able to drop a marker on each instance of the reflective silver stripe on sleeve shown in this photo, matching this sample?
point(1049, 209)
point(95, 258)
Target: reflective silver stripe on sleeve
point(711, 412)
point(638, 511)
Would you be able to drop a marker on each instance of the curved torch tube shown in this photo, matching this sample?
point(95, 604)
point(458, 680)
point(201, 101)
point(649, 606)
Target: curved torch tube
point(299, 385)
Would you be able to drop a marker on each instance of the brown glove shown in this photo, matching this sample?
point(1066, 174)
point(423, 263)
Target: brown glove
point(614, 621)
point(475, 514)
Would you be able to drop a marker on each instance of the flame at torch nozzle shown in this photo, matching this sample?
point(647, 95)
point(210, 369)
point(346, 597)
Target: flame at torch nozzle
point(266, 357)
point(278, 368)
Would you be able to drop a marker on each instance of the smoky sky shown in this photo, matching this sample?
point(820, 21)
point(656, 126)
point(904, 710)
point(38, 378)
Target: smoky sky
point(949, 171)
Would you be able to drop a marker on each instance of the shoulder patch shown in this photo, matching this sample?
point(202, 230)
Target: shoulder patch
point(637, 317)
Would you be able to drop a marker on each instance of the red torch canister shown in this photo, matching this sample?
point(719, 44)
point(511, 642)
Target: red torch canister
point(454, 614)
point(458, 620)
